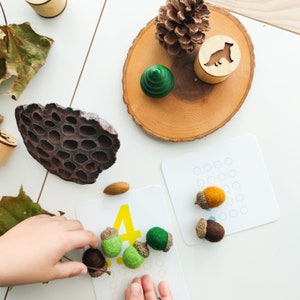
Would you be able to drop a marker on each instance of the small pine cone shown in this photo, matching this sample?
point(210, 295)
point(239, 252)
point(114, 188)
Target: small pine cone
point(180, 25)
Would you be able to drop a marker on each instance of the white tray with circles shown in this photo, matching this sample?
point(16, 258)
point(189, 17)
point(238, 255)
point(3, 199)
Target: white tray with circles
point(237, 166)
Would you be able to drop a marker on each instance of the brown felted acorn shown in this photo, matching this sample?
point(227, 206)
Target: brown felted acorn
point(210, 230)
point(180, 25)
point(95, 262)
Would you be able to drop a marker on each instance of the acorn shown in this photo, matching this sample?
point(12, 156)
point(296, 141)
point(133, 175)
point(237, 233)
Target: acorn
point(134, 255)
point(111, 244)
point(159, 239)
point(116, 188)
point(95, 262)
point(210, 230)
point(210, 197)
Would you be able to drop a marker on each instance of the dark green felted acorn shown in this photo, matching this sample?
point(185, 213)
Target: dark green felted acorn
point(210, 230)
point(111, 244)
point(134, 255)
point(95, 262)
point(159, 239)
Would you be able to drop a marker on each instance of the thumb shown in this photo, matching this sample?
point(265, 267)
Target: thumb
point(134, 292)
point(69, 269)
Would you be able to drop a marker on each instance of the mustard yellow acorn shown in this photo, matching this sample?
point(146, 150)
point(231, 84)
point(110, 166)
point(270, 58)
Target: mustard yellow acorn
point(210, 197)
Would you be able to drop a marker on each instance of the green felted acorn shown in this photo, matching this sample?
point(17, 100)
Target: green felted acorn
point(159, 239)
point(111, 242)
point(134, 255)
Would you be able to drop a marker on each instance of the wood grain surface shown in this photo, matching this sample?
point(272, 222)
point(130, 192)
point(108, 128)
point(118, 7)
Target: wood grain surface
point(193, 109)
point(281, 13)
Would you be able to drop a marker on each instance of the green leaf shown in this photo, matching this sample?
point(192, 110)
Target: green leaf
point(13, 210)
point(22, 53)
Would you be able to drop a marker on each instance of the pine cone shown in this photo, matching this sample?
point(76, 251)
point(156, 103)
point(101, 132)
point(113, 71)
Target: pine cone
point(180, 25)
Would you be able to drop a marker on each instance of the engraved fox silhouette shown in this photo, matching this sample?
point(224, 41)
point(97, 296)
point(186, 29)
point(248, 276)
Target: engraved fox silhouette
point(215, 58)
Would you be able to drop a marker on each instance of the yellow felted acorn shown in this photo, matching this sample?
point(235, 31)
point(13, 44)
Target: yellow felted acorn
point(210, 197)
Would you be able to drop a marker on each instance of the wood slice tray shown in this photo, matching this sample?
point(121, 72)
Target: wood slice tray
point(193, 109)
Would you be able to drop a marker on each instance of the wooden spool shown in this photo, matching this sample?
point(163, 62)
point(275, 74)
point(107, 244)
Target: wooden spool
point(193, 109)
point(7, 145)
point(217, 58)
point(48, 8)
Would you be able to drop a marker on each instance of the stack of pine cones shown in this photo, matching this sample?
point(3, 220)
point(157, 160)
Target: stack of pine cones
point(180, 25)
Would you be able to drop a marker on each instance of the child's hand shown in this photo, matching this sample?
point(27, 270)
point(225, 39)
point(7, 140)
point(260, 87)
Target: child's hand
point(30, 252)
point(143, 289)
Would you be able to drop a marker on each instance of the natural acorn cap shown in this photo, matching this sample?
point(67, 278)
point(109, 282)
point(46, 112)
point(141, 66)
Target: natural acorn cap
point(108, 233)
point(210, 230)
point(95, 261)
point(142, 248)
point(210, 197)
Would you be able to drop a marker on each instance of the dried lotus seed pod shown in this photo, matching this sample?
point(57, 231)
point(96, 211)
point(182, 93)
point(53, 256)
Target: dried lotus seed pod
point(159, 239)
point(111, 244)
point(134, 255)
point(74, 145)
point(210, 230)
point(95, 261)
point(210, 197)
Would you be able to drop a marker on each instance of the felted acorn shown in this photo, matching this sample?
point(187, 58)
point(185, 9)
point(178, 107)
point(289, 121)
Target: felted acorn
point(95, 262)
point(111, 244)
point(159, 239)
point(134, 255)
point(210, 197)
point(210, 230)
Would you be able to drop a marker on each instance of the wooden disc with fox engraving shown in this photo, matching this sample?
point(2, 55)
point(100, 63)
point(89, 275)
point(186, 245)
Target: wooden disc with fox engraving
point(194, 108)
point(217, 59)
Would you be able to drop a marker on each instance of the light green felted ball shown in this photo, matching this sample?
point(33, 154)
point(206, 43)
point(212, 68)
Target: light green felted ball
point(157, 238)
point(131, 258)
point(112, 246)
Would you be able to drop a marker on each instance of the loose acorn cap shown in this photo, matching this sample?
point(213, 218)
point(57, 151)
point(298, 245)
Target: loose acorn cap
point(95, 261)
point(210, 230)
point(210, 197)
